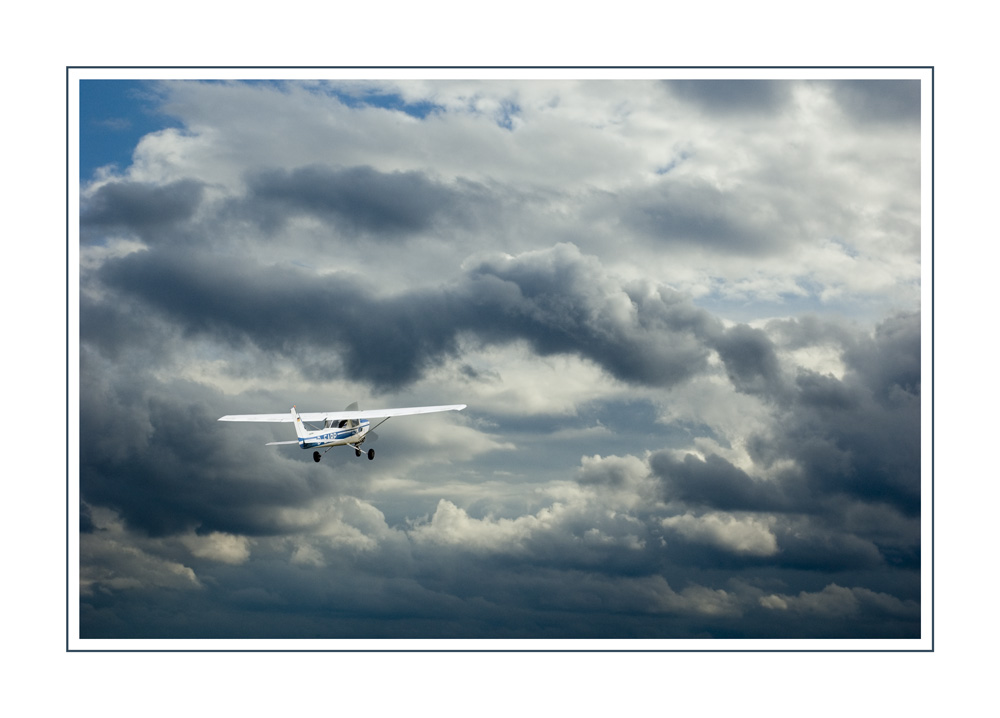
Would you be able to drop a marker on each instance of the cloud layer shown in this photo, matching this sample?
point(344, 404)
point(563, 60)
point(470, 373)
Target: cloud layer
point(684, 315)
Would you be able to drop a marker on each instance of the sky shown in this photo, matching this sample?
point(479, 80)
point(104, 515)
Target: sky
point(685, 316)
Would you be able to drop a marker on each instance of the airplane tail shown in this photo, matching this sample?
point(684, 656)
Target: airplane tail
point(300, 429)
point(353, 406)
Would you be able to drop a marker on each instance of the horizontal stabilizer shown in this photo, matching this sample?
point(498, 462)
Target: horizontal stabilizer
point(277, 443)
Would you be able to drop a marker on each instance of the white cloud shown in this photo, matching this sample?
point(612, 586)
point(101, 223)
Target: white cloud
point(305, 553)
point(774, 602)
point(338, 523)
point(515, 381)
point(451, 525)
point(618, 483)
point(652, 594)
point(836, 601)
point(749, 535)
point(711, 402)
point(218, 546)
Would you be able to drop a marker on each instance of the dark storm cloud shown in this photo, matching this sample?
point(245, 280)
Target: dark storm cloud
point(811, 530)
point(889, 363)
point(114, 327)
point(750, 359)
point(856, 438)
point(492, 602)
point(715, 483)
point(847, 447)
point(558, 300)
point(564, 302)
point(864, 101)
point(879, 101)
point(857, 446)
point(564, 583)
point(154, 453)
point(361, 197)
point(139, 206)
point(815, 547)
point(728, 97)
point(332, 324)
point(860, 435)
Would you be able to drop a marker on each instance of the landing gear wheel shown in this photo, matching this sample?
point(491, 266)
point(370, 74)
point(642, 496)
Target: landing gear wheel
point(371, 454)
point(316, 456)
point(357, 452)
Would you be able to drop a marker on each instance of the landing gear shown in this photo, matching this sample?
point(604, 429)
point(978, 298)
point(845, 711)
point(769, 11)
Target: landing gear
point(357, 452)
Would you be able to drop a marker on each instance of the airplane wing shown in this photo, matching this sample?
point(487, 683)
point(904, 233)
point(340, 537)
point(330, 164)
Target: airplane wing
point(340, 415)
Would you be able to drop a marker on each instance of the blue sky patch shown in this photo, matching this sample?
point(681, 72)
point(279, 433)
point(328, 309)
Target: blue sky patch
point(114, 116)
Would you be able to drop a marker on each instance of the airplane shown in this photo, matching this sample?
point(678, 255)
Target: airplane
point(350, 427)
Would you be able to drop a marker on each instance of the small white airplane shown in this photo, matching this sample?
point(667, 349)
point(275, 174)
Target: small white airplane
point(340, 428)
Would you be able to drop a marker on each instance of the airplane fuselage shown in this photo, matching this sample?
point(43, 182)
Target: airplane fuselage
point(334, 436)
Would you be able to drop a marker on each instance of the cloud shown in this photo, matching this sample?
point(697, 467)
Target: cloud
point(699, 214)
point(685, 318)
point(452, 525)
point(838, 601)
point(736, 97)
point(751, 361)
point(879, 101)
point(564, 302)
point(715, 482)
point(747, 535)
point(218, 546)
point(141, 207)
point(360, 198)
point(110, 561)
point(861, 435)
point(558, 300)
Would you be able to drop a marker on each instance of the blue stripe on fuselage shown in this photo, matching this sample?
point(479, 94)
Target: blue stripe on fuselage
point(317, 440)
